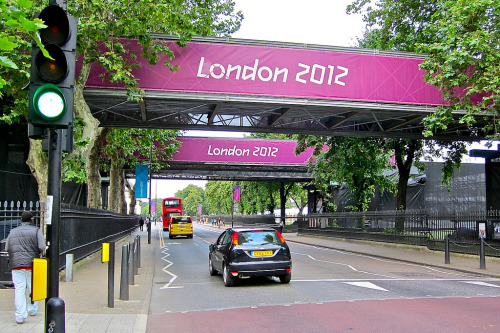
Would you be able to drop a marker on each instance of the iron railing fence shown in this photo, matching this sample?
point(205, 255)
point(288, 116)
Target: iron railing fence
point(82, 230)
point(10, 215)
point(418, 228)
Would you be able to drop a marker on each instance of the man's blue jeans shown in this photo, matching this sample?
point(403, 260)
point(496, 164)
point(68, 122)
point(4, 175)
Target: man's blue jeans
point(22, 283)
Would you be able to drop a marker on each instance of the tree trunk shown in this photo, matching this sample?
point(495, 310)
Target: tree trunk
point(94, 199)
point(122, 203)
point(404, 168)
point(131, 192)
point(39, 165)
point(114, 182)
point(90, 132)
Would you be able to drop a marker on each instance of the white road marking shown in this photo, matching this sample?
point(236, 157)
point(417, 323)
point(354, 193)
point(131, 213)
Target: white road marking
point(165, 269)
point(342, 264)
point(480, 283)
point(365, 284)
point(387, 260)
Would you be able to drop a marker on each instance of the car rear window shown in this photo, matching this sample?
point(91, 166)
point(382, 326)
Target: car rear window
point(181, 220)
point(258, 237)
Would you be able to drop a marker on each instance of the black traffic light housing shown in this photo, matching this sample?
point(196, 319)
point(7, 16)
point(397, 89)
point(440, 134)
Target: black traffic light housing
point(51, 95)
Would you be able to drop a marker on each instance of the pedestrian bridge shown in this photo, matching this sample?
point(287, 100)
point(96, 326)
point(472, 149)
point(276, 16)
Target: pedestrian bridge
point(260, 86)
point(238, 159)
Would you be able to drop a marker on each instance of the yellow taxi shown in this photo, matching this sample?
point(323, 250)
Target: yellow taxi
point(181, 226)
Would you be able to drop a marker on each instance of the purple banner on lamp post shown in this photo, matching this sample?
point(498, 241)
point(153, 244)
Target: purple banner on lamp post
point(283, 72)
point(237, 193)
point(240, 151)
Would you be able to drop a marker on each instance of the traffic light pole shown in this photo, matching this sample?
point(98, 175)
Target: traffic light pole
point(55, 309)
point(54, 190)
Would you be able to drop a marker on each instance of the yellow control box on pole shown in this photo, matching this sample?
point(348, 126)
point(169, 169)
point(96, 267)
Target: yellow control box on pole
point(39, 285)
point(105, 252)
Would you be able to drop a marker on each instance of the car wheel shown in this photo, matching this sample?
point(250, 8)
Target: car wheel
point(170, 236)
point(285, 278)
point(227, 277)
point(211, 269)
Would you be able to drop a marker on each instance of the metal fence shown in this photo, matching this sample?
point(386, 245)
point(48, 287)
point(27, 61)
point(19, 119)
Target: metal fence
point(419, 228)
point(82, 230)
point(10, 215)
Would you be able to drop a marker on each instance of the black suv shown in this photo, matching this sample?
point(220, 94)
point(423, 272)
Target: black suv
point(245, 252)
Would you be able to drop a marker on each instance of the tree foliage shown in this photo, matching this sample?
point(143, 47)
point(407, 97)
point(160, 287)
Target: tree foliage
point(219, 197)
point(463, 62)
point(461, 40)
point(357, 162)
point(192, 196)
point(18, 29)
point(102, 28)
point(409, 25)
point(125, 147)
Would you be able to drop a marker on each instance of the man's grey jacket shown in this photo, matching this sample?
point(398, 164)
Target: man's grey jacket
point(23, 244)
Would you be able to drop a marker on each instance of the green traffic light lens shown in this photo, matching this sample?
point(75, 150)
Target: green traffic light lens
point(49, 102)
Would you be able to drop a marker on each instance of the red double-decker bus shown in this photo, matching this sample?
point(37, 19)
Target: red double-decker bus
point(170, 207)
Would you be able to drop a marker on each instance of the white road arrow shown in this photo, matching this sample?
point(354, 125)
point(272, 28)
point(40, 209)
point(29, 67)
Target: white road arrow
point(366, 285)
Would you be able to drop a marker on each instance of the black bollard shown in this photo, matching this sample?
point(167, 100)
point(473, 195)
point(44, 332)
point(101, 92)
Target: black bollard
point(447, 249)
point(482, 257)
point(111, 275)
point(136, 260)
point(131, 263)
point(138, 251)
point(124, 277)
point(54, 315)
point(149, 232)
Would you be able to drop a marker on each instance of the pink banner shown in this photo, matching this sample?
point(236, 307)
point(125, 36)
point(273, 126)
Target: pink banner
point(240, 151)
point(237, 193)
point(285, 72)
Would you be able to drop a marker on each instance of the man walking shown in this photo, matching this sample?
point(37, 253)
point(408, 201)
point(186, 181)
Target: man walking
point(24, 243)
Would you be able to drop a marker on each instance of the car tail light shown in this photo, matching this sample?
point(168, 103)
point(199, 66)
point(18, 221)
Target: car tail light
point(288, 270)
point(234, 238)
point(282, 239)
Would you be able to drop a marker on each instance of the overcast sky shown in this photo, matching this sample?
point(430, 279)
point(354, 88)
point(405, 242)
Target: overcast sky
point(299, 21)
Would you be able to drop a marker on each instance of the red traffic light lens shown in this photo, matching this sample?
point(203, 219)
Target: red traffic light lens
point(58, 29)
point(52, 70)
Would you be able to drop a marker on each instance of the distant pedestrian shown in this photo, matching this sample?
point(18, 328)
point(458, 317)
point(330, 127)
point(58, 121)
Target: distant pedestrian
point(141, 224)
point(24, 243)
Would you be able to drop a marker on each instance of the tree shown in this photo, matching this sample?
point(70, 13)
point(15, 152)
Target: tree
point(192, 196)
point(127, 147)
point(101, 26)
point(219, 197)
point(402, 25)
point(463, 62)
point(357, 162)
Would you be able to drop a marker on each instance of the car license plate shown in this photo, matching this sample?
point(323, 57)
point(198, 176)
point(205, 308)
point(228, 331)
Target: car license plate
point(262, 253)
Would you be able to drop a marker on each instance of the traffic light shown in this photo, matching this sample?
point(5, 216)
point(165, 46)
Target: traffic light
point(52, 81)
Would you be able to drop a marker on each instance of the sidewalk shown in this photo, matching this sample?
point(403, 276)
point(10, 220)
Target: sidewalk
point(86, 298)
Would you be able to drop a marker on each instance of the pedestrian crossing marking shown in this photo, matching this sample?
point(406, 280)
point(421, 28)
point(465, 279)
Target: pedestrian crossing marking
point(366, 285)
